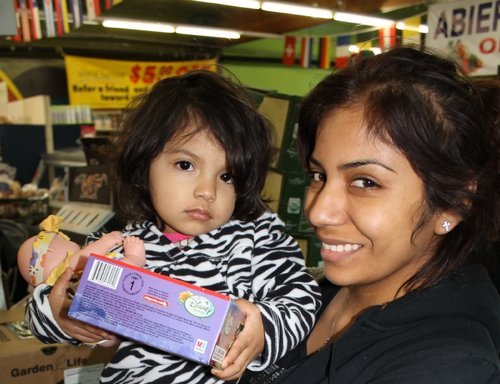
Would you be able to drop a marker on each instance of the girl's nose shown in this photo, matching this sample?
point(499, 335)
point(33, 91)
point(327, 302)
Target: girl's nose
point(206, 190)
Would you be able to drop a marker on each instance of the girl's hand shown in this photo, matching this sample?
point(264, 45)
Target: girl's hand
point(60, 303)
point(248, 345)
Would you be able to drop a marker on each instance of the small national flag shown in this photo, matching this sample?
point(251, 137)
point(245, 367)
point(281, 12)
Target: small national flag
point(76, 11)
point(25, 23)
point(58, 15)
point(325, 49)
point(411, 35)
point(17, 36)
point(65, 16)
point(93, 9)
point(342, 53)
point(48, 10)
point(36, 30)
point(306, 52)
point(289, 51)
point(387, 37)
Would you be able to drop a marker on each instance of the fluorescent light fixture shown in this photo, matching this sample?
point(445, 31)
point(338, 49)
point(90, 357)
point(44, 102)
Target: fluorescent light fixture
point(422, 28)
point(210, 32)
point(362, 19)
point(299, 10)
point(251, 4)
point(138, 26)
point(168, 28)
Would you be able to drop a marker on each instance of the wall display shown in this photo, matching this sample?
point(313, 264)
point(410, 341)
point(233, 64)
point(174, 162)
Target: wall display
point(104, 83)
point(468, 32)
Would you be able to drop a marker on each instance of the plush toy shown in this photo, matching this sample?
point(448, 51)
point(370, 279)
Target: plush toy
point(45, 257)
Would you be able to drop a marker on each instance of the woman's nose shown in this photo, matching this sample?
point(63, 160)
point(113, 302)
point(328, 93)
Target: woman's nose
point(325, 207)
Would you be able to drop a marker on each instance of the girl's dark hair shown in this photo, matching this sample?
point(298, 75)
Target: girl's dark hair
point(426, 107)
point(218, 105)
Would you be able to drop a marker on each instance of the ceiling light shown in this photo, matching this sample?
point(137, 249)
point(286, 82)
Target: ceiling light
point(294, 9)
point(362, 19)
point(139, 26)
point(252, 4)
point(210, 32)
point(422, 28)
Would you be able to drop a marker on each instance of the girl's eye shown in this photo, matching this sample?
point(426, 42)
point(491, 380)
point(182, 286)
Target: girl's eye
point(364, 183)
point(184, 165)
point(227, 178)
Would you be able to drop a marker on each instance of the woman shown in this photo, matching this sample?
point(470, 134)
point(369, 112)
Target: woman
point(401, 151)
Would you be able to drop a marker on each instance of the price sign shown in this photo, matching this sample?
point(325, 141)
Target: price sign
point(110, 84)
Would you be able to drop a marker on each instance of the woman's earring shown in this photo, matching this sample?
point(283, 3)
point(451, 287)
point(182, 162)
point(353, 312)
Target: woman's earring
point(446, 225)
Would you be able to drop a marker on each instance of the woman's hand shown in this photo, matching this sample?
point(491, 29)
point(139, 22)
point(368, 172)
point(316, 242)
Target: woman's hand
point(60, 303)
point(249, 344)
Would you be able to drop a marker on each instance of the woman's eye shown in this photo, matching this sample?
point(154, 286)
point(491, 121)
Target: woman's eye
point(184, 165)
point(316, 176)
point(227, 178)
point(364, 183)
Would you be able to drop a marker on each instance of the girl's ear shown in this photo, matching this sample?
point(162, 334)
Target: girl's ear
point(446, 222)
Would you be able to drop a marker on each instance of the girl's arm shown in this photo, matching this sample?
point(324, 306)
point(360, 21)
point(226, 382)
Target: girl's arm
point(46, 315)
point(287, 296)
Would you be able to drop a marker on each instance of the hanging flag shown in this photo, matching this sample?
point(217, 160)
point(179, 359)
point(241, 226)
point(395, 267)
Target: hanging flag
point(325, 50)
point(289, 51)
point(342, 53)
point(48, 10)
point(411, 35)
point(76, 10)
point(387, 37)
point(93, 9)
point(306, 52)
point(36, 29)
point(17, 36)
point(58, 17)
point(65, 16)
point(25, 23)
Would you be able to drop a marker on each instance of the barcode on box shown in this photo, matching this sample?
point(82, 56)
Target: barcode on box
point(105, 274)
point(219, 354)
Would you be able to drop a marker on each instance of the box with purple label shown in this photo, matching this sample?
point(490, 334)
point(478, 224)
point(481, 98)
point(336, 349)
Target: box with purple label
point(165, 313)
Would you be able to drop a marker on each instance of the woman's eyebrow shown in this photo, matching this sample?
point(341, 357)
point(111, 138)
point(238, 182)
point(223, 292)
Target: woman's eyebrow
point(354, 164)
point(362, 162)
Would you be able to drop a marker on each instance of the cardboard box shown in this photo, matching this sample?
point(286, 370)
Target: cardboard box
point(168, 314)
point(24, 359)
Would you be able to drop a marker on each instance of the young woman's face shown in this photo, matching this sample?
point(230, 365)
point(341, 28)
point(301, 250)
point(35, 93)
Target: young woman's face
point(364, 202)
point(190, 186)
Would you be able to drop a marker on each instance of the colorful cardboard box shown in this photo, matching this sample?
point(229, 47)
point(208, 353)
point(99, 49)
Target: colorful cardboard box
point(24, 359)
point(165, 313)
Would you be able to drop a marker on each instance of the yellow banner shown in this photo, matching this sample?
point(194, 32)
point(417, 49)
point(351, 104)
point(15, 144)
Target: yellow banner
point(112, 84)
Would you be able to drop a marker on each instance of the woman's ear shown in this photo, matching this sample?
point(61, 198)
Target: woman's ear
point(446, 222)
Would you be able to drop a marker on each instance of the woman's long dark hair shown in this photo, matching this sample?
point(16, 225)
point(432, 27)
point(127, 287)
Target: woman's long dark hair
point(426, 107)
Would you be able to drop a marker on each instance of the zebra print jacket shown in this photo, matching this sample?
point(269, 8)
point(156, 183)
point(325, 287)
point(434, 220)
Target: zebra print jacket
point(254, 260)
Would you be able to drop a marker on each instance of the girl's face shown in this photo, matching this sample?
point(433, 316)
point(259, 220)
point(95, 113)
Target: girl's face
point(190, 186)
point(364, 202)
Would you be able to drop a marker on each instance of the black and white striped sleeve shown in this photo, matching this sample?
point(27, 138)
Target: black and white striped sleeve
point(287, 295)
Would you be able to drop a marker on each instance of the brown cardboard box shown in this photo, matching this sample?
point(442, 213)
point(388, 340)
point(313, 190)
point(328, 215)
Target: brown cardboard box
point(24, 359)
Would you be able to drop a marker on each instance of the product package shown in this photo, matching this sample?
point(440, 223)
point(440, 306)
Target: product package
point(174, 316)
